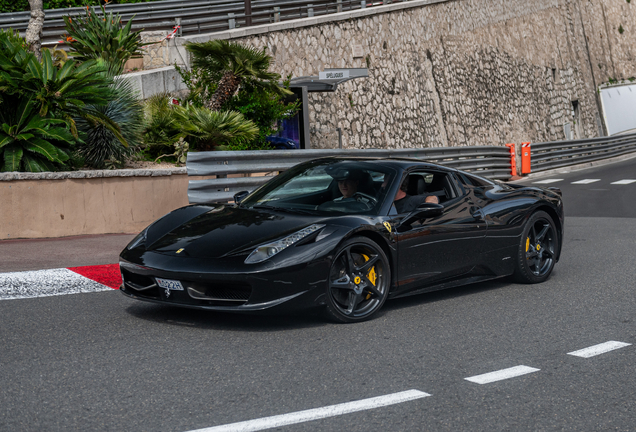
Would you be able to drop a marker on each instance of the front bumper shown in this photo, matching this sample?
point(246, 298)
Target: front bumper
point(296, 287)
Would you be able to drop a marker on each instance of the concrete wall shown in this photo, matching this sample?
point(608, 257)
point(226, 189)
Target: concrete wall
point(57, 205)
point(454, 72)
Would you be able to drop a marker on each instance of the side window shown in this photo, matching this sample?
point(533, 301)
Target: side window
point(435, 183)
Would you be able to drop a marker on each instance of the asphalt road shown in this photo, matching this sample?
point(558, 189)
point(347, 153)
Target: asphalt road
point(100, 361)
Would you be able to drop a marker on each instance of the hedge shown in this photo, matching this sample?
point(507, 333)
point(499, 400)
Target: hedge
point(23, 5)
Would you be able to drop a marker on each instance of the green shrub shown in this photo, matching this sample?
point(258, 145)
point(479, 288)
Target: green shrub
point(99, 145)
point(207, 129)
point(53, 99)
point(29, 142)
point(161, 127)
point(94, 36)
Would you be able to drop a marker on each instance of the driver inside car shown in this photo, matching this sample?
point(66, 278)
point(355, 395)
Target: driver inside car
point(350, 185)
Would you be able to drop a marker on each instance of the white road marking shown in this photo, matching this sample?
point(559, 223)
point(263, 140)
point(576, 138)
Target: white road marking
point(45, 283)
point(586, 181)
point(622, 182)
point(502, 374)
point(318, 413)
point(546, 181)
point(599, 349)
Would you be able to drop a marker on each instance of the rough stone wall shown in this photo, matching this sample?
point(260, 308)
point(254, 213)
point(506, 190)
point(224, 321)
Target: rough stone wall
point(462, 72)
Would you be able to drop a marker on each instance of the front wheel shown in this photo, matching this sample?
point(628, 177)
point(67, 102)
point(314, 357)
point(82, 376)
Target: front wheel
point(359, 281)
point(537, 250)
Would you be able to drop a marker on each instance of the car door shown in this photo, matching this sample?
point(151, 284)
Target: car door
point(444, 247)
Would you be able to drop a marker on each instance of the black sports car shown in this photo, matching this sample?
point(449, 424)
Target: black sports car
point(345, 234)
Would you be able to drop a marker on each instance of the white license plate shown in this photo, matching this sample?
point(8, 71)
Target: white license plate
point(170, 284)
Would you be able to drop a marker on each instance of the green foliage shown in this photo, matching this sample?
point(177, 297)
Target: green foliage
point(264, 108)
point(235, 64)
point(53, 99)
point(208, 129)
point(102, 36)
point(621, 29)
point(259, 98)
point(29, 142)
point(161, 127)
point(100, 147)
point(181, 148)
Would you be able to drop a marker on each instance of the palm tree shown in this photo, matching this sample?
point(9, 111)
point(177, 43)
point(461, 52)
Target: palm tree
point(235, 64)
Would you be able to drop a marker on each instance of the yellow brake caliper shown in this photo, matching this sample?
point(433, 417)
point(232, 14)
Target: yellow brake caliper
point(527, 244)
point(371, 275)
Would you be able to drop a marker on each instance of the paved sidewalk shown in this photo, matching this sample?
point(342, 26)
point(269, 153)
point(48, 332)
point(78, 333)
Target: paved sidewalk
point(38, 254)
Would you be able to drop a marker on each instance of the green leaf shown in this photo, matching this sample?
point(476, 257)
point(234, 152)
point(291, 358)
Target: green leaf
point(6, 141)
point(35, 165)
point(47, 67)
point(12, 158)
point(42, 147)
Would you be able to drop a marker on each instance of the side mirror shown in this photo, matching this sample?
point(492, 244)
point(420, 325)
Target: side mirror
point(238, 197)
point(425, 210)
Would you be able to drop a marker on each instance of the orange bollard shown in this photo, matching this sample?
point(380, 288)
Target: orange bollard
point(526, 163)
point(513, 159)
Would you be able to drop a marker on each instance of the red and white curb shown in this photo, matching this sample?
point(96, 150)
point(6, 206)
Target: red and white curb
point(54, 282)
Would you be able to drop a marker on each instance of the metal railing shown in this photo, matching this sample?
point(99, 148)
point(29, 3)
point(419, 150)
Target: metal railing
point(194, 16)
point(557, 154)
point(228, 169)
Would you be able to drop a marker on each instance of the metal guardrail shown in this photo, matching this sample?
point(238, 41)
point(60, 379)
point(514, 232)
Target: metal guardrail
point(195, 16)
point(228, 169)
point(557, 154)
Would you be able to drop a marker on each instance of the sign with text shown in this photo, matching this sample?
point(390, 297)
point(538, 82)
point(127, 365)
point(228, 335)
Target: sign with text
point(334, 74)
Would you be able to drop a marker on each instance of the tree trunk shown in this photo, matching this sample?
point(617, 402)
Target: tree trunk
point(227, 87)
point(34, 30)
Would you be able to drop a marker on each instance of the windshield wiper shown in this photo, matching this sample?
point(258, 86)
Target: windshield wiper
point(283, 209)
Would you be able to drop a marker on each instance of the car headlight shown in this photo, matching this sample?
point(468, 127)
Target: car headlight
point(268, 250)
point(138, 240)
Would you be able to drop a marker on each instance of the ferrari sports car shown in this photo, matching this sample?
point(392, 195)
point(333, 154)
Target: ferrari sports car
point(345, 235)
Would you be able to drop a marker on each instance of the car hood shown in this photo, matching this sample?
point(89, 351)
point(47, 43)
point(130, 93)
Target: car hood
point(226, 230)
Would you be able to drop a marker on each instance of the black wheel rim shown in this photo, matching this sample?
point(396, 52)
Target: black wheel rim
point(540, 244)
point(357, 282)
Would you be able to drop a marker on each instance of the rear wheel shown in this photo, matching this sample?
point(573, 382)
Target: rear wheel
point(537, 251)
point(359, 281)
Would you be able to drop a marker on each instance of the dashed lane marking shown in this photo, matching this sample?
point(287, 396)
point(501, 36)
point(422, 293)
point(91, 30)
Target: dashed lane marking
point(547, 181)
point(624, 182)
point(599, 349)
point(318, 413)
point(502, 374)
point(54, 282)
point(586, 181)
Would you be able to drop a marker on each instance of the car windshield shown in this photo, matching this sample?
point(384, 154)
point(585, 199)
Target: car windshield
point(326, 187)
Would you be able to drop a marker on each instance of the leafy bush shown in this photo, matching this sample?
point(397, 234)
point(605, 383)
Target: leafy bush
point(258, 97)
point(53, 100)
point(102, 36)
point(29, 142)
point(161, 128)
point(99, 145)
point(208, 129)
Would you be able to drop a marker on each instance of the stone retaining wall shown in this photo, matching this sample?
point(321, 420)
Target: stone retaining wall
point(87, 202)
point(454, 72)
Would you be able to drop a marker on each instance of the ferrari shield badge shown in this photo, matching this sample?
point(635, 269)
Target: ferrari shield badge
point(387, 226)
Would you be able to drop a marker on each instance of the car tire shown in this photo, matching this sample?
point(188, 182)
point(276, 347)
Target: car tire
point(359, 281)
point(537, 249)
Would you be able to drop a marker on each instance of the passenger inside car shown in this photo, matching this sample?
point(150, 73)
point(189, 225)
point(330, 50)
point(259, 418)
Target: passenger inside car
point(411, 194)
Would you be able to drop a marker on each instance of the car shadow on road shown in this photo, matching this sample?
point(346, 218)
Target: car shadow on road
point(214, 320)
point(445, 294)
